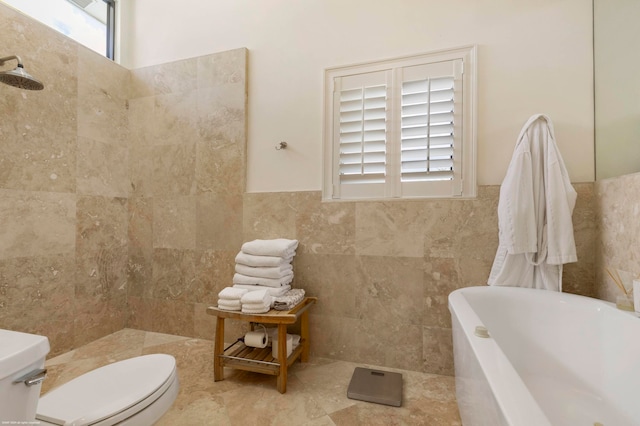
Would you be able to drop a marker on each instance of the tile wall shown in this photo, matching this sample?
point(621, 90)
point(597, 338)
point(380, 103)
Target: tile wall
point(63, 189)
point(617, 218)
point(188, 168)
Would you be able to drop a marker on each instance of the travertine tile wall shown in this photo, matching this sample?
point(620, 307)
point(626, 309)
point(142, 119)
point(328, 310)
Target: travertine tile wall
point(122, 198)
point(188, 168)
point(383, 270)
point(617, 218)
point(63, 189)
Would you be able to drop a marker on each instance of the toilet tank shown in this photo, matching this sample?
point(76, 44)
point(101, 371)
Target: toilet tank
point(20, 354)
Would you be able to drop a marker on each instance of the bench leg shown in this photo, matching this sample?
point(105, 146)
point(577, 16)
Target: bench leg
point(282, 357)
point(304, 335)
point(218, 367)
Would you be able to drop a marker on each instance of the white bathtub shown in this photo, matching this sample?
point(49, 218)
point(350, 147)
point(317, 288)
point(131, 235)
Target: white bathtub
point(551, 359)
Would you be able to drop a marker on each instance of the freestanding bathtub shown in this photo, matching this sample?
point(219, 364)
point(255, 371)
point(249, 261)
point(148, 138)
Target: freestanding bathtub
point(549, 359)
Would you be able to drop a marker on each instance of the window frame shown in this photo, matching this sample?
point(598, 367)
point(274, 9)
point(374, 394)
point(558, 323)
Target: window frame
point(467, 187)
point(111, 29)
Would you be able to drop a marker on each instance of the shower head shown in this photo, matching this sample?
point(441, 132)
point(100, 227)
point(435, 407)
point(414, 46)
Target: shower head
point(18, 77)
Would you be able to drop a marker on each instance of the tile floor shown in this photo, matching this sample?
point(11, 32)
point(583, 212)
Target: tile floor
point(316, 391)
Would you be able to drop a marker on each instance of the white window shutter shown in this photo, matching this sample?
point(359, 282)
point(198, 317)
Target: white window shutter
point(401, 128)
point(360, 134)
point(430, 140)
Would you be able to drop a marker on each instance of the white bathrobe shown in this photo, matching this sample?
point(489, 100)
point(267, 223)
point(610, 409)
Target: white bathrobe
point(534, 213)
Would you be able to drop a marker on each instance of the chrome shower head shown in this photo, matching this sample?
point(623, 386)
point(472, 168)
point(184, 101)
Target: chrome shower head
point(18, 77)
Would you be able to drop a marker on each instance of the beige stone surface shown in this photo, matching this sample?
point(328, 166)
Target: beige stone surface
point(103, 92)
point(174, 222)
point(316, 392)
point(617, 211)
point(36, 223)
point(102, 169)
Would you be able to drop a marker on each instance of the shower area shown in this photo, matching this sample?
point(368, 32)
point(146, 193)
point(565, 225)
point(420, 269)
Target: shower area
point(120, 191)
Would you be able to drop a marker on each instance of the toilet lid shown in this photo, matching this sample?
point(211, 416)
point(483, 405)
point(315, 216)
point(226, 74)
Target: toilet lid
point(107, 391)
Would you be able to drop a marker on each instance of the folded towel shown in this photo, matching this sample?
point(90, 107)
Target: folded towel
point(288, 300)
point(258, 296)
point(277, 247)
point(264, 272)
point(229, 303)
point(229, 307)
point(230, 293)
point(256, 311)
point(273, 291)
point(262, 261)
point(257, 305)
point(269, 282)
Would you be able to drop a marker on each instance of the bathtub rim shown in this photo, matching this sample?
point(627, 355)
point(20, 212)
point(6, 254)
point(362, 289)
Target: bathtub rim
point(514, 399)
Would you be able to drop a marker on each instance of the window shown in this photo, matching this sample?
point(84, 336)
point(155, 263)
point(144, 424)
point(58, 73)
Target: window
point(401, 128)
point(89, 22)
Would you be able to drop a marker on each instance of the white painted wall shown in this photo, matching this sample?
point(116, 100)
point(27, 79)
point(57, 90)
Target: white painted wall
point(534, 56)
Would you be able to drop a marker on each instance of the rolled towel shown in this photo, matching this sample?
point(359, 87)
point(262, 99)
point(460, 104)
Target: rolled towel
point(262, 261)
point(273, 291)
point(277, 247)
point(258, 296)
point(268, 282)
point(231, 293)
point(264, 272)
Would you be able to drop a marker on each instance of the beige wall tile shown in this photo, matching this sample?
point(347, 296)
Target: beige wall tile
point(219, 222)
point(102, 169)
point(335, 279)
point(174, 275)
point(222, 68)
point(269, 215)
point(325, 228)
point(438, 351)
point(37, 296)
point(36, 223)
point(617, 210)
point(388, 228)
point(173, 170)
point(220, 168)
point(174, 222)
point(103, 89)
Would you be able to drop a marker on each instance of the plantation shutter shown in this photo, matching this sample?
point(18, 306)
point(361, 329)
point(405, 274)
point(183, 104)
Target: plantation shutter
point(401, 128)
point(361, 108)
point(430, 129)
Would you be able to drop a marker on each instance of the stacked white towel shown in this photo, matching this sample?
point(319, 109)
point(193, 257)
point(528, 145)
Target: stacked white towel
point(280, 247)
point(229, 298)
point(265, 263)
point(273, 291)
point(256, 302)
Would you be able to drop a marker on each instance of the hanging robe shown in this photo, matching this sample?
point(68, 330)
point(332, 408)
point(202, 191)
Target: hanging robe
point(534, 213)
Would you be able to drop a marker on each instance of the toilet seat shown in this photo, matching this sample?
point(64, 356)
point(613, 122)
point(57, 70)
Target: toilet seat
point(112, 393)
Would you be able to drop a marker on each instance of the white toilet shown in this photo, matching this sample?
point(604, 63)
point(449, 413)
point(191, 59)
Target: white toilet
point(133, 392)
